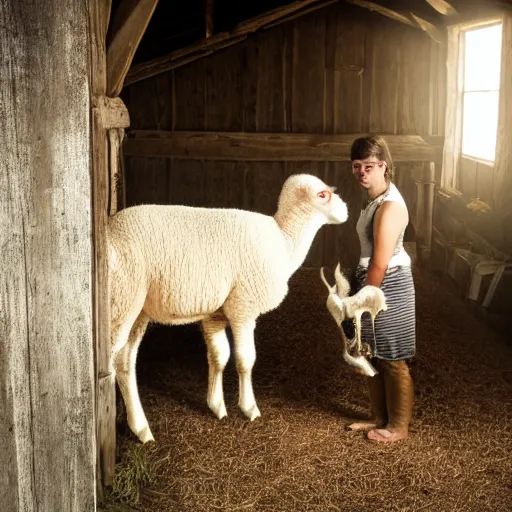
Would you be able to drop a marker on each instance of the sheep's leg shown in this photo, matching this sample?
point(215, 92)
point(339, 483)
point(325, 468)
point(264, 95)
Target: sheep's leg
point(124, 363)
point(357, 320)
point(218, 354)
point(245, 356)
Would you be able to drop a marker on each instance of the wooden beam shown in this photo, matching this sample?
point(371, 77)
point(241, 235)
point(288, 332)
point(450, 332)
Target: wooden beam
point(131, 21)
point(321, 5)
point(394, 15)
point(443, 7)
point(266, 147)
point(214, 43)
point(429, 28)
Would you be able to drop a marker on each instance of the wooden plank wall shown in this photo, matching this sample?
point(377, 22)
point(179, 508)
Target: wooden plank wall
point(339, 70)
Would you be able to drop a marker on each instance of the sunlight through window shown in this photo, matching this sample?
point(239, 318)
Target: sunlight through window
point(482, 58)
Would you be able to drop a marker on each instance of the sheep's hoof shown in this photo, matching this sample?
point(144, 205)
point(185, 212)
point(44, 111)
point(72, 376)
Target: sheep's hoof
point(219, 410)
point(145, 435)
point(252, 413)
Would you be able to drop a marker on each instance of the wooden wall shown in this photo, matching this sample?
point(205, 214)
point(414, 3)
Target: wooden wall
point(339, 70)
point(47, 427)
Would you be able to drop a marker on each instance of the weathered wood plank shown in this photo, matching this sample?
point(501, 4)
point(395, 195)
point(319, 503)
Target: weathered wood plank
point(413, 82)
point(341, 244)
point(349, 72)
point(386, 72)
point(186, 182)
point(308, 74)
point(250, 78)
point(224, 96)
point(150, 105)
point(113, 112)
point(331, 26)
point(131, 21)
point(189, 99)
point(47, 427)
point(270, 68)
point(266, 146)
point(263, 185)
point(147, 181)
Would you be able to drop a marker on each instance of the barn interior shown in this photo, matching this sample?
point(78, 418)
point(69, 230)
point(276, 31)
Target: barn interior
point(226, 101)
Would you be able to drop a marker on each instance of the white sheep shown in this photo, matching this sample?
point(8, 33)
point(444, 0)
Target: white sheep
point(178, 264)
point(369, 299)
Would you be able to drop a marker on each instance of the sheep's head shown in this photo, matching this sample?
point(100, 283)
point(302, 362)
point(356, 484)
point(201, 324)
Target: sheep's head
point(314, 196)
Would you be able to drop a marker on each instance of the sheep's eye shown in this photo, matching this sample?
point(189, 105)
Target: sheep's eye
point(322, 195)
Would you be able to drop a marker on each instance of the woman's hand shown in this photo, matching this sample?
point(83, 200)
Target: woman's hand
point(390, 220)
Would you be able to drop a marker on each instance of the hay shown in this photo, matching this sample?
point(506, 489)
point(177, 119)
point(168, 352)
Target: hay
point(300, 456)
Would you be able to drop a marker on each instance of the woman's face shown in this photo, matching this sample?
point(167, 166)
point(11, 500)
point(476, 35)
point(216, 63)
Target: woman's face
point(369, 172)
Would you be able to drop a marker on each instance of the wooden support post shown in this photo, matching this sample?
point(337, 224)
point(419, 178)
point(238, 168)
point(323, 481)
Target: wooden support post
point(210, 4)
point(425, 211)
point(102, 116)
point(47, 413)
point(114, 118)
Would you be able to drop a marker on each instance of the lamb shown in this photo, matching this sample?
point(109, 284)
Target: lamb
point(369, 299)
point(177, 264)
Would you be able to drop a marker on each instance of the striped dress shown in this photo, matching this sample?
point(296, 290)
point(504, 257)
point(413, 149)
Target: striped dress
point(395, 329)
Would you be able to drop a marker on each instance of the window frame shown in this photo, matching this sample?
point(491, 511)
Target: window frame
point(462, 49)
point(452, 154)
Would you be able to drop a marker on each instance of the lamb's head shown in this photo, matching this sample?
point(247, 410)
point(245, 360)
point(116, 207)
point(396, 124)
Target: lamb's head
point(341, 288)
point(310, 194)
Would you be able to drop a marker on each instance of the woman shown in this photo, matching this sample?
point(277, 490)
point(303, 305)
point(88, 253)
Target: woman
point(385, 263)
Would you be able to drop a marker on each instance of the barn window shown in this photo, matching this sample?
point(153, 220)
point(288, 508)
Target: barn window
point(473, 100)
point(480, 91)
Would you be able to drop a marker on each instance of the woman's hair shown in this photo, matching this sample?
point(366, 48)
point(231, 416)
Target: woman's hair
point(376, 146)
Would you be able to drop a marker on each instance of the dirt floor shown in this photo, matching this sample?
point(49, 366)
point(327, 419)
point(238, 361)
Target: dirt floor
point(300, 456)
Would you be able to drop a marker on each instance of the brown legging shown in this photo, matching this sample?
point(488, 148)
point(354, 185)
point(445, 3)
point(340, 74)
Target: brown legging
point(391, 394)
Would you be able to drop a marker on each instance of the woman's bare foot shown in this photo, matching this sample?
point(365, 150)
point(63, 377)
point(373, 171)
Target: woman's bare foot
point(383, 435)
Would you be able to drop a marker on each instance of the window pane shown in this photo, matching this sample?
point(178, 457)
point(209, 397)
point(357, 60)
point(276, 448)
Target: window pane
point(480, 124)
point(482, 59)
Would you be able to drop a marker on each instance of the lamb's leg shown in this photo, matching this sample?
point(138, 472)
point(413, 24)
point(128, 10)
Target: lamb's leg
point(217, 344)
point(357, 320)
point(245, 355)
point(124, 363)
